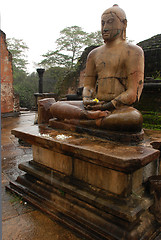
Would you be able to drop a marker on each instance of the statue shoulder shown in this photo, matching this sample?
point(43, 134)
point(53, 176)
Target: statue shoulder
point(135, 49)
point(134, 57)
point(95, 51)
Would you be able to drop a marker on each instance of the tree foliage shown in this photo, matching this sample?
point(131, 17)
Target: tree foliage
point(25, 85)
point(58, 63)
point(18, 49)
point(70, 45)
point(55, 58)
point(94, 39)
point(71, 40)
point(53, 77)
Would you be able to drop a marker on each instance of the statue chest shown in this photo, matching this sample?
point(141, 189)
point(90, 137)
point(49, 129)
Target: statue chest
point(109, 88)
point(110, 64)
point(111, 72)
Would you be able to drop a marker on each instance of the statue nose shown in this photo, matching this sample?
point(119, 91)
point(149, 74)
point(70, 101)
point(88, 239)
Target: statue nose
point(106, 30)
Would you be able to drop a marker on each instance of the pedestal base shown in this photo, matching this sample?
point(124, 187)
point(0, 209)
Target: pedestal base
point(94, 186)
point(84, 209)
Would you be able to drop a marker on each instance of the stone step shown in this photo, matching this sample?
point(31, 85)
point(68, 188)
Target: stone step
point(77, 214)
point(127, 209)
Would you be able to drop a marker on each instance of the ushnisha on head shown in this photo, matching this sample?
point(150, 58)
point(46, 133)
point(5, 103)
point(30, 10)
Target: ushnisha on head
point(113, 23)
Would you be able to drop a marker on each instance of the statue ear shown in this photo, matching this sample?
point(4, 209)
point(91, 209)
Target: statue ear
point(124, 29)
point(125, 23)
point(124, 34)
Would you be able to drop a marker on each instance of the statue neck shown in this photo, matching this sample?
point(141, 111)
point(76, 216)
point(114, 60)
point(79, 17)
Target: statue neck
point(114, 42)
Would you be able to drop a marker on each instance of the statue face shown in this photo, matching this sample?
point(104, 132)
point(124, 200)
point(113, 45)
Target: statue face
point(111, 27)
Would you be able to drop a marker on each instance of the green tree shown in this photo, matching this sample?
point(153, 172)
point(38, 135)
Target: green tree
point(55, 58)
point(70, 45)
point(53, 77)
point(94, 38)
point(18, 49)
point(24, 84)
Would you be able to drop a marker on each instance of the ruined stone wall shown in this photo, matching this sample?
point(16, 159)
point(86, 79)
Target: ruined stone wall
point(7, 94)
point(152, 52)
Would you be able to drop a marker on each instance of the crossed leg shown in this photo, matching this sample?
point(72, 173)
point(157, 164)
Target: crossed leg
point(126, 119)
point(74, 110)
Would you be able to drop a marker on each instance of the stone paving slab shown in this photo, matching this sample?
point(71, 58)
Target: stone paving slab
point(34, 225)
point(21, 221)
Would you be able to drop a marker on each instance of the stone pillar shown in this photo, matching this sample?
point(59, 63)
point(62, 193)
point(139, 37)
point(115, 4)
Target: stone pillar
point(40, 72)
point(41, 95)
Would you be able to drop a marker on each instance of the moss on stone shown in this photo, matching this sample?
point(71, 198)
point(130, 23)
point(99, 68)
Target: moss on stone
point(152, 120)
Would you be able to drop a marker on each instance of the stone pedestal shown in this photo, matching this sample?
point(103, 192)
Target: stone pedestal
point(94, 186)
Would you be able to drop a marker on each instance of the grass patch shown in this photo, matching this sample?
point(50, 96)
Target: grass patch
point(15, 199)
point(152, 120)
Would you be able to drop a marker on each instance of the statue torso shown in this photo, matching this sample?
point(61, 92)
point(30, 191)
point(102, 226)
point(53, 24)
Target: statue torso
point(111, 71)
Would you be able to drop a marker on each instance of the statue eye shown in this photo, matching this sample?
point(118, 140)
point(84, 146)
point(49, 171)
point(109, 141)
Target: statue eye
point(103, 23)
point(110, 20)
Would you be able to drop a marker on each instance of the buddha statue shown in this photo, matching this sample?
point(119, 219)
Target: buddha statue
point(113, 82)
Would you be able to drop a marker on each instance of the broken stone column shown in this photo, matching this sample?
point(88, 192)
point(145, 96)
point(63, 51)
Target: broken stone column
point(7, 94)
point(9, 101)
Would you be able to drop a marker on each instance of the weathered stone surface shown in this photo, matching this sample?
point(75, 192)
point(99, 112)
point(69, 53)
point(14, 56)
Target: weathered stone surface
point(53, 159)
point(58, 186)
point(44, 110)
point(20, 221)
point(39, 96)
point(94, 186)
point(84, 209)
point(105, 153)
point(123, 137)
point(7, 103)
point(9, 100)
point(155, 137)
point(120, 169)
point(152, 52)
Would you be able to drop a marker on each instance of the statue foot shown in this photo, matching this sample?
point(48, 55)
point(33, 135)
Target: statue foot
point(97, 114)
point(72, 121)
point(85, 123)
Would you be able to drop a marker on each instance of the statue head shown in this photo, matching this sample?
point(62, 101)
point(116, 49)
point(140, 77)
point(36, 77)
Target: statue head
point(113, 23)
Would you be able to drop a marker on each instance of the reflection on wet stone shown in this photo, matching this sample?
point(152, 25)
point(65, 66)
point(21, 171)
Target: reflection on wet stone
point(90, 168)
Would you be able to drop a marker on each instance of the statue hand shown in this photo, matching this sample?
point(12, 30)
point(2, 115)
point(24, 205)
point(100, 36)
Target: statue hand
point(108, 106)
point(101, 106)
point(96, 106)
point(88, 101)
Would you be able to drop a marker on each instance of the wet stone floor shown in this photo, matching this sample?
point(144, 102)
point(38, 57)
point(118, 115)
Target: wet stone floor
point(20, 221)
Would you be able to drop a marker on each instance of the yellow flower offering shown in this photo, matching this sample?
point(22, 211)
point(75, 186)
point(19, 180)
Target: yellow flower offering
point(95, 100)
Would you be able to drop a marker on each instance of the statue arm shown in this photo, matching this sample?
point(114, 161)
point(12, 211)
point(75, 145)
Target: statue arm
point(89, 80)
point(135, 78)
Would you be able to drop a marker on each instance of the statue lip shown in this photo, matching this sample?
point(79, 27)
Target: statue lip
point(106, 33)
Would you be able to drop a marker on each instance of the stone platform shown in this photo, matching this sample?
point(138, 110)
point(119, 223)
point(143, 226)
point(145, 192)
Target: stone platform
point(124, 137)
point(94, 186)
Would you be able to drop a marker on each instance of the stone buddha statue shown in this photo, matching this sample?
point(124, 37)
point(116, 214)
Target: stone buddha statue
point(113, 82)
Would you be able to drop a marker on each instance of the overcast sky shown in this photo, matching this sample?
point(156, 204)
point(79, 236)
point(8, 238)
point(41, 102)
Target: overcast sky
point(39, 22)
